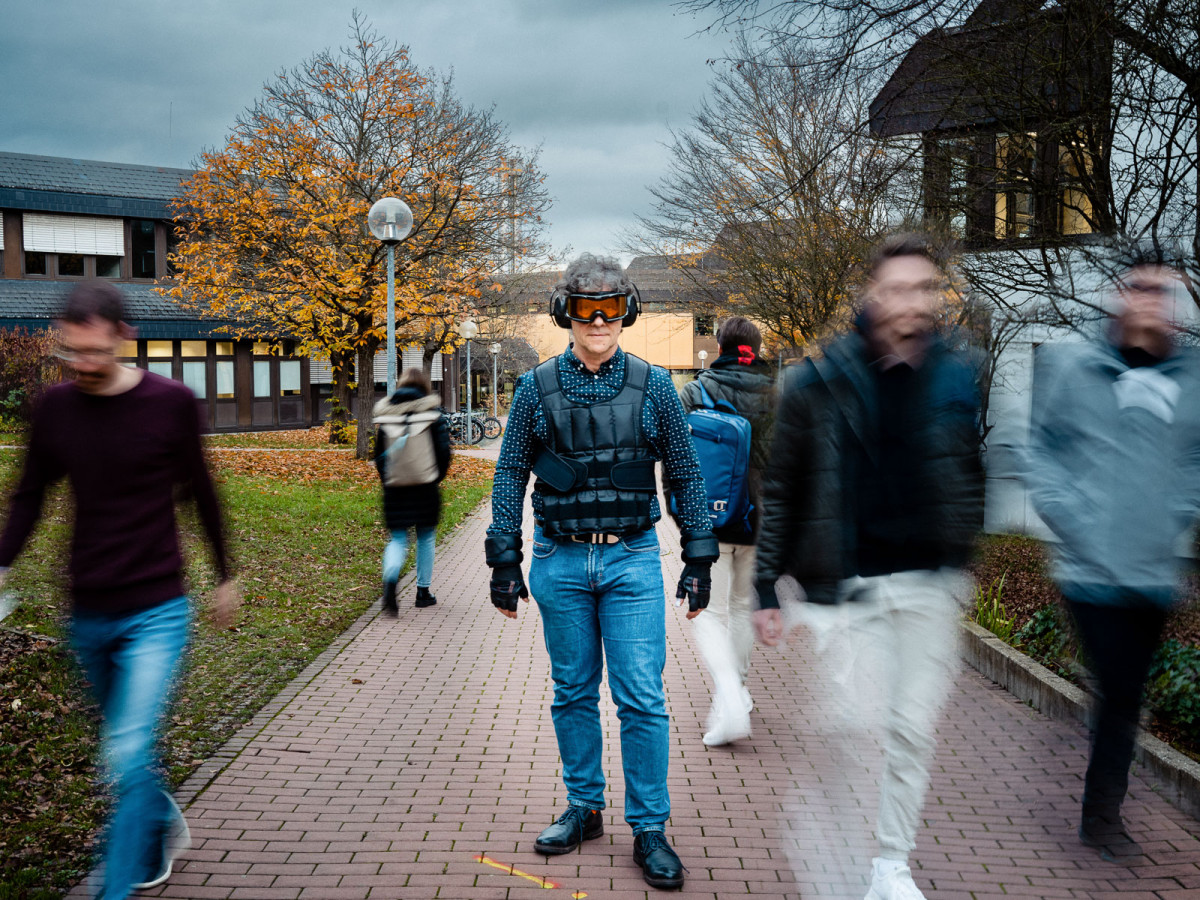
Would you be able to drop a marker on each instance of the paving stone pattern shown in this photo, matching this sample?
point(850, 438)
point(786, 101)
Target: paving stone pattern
point(416, 745)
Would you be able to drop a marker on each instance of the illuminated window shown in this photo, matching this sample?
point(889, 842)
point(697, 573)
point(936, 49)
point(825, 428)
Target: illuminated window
point(159, 348)
point(193, 348)
point(1015, 155)
point(224, 348)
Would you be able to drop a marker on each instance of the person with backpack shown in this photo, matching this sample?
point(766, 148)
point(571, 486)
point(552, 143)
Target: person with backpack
point(412, 455)
point(732, 469)
point(590, 424)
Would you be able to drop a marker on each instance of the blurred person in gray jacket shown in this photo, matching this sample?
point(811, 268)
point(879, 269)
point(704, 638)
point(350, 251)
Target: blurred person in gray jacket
point(1114, 471)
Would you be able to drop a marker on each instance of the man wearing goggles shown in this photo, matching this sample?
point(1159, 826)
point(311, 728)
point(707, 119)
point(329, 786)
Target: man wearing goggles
point(591, 424)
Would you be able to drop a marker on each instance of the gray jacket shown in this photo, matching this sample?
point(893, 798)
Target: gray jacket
point(1113, 468)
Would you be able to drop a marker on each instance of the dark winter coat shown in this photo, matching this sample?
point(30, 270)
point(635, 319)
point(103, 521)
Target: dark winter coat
point(418, 504)
point(751, 391)
point(826, 430)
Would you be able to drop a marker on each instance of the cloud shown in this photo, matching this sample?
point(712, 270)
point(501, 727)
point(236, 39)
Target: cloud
point(596, 84)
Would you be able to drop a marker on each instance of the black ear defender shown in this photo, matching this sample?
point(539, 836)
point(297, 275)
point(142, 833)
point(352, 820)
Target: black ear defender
point(558, 307)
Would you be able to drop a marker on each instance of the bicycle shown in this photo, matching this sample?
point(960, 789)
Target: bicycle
point(460, 432)
point(491, 427)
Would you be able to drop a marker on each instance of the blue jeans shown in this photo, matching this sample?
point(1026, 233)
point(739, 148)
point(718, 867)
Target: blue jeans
point(598, 602)
point(396, 551)
point(131, 661)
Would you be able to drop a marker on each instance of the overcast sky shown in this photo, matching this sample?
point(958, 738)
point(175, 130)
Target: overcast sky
point(595, 83)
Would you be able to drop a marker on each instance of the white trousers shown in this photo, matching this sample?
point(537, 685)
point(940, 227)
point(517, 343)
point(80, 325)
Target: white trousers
point(889, 650)
point(725, 630)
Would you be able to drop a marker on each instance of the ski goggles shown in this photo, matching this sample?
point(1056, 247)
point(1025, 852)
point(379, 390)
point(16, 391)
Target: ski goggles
point(610, 306)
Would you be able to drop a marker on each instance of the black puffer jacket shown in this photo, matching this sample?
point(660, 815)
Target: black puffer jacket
point(826, 429)
point(751, 391)
point(418, 504)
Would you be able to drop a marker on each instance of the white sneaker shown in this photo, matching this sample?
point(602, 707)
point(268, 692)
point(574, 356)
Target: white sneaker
point(892, 883)
point(727, 723)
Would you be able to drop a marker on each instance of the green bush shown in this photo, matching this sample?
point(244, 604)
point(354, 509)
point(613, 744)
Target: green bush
point(1173, 689)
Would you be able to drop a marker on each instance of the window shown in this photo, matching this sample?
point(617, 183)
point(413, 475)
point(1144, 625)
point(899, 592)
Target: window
point(704, 325)
point(193, 348)
point(988, 188)
point(1015, 155)
point(35, 263)
point(262, 378)
point(159, 367)
point(108, 267)
point(289, 378)
point(948, 172)
point(172, 248)
point(160, 349)
point(70, 264)
point(224, 348)
point(225, 380)
point(195, 376)
point(262, 348)
point(128, 350)
point(1074, 202)
point(142, 247)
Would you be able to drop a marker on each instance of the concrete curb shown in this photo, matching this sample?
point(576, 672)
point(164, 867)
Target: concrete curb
point(1177, 775)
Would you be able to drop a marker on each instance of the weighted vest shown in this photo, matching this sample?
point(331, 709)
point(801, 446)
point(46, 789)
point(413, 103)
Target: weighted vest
point(597, 472)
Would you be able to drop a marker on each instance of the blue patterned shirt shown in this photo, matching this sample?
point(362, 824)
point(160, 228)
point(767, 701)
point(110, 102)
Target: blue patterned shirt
point(663, 424)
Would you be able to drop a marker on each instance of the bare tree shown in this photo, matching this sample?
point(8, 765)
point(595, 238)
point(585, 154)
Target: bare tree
point(1050, 131)
point(776, 193)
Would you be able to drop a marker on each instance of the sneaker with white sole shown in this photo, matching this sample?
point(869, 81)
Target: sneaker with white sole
point(892, 882)
point(175, 840)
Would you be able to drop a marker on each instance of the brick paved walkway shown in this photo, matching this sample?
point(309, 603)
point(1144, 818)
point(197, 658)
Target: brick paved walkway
point(426, 742)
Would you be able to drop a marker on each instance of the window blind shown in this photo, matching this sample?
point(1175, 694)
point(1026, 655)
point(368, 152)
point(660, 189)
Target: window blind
point(90, 235)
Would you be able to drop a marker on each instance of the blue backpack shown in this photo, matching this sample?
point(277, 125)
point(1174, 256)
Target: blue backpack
point(722, 441)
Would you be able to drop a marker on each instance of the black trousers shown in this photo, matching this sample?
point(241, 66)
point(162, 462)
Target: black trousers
point(1119, 642)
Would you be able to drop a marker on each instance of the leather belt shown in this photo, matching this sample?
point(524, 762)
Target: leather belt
point(594, 538)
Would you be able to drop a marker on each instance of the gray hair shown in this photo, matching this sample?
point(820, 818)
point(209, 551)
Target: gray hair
point(590, 274)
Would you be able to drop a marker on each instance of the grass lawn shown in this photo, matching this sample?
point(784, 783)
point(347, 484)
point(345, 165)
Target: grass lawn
point(306, 535)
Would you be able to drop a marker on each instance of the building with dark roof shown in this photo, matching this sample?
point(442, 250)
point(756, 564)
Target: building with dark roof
point(67, 220)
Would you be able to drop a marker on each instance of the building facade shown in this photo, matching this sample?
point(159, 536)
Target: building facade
point(66, 220)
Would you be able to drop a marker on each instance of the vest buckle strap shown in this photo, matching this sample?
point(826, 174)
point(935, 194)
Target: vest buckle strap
point(594, 538)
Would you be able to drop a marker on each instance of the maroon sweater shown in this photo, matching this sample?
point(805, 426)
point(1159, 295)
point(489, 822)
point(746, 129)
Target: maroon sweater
point(124, 455)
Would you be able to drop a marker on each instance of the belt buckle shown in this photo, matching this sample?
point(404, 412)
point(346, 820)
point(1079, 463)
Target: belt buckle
point(596, 537)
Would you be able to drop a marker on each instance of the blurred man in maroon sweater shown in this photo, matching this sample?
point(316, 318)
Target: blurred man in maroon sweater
point(125, 439)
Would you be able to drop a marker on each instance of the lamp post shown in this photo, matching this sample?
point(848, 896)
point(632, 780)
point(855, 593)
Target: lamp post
point(468, 330)
point(495, 351)
point(390, 220)
point(703, 354)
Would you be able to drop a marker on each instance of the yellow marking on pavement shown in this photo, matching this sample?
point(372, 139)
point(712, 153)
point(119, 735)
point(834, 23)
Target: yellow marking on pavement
point(539, 880)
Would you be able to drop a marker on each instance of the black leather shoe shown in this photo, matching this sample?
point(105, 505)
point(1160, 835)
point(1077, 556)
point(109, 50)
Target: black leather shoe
point(390, 607)
point(660, 865)
point(1108, 835)
point(424, 598)
point(573, 827)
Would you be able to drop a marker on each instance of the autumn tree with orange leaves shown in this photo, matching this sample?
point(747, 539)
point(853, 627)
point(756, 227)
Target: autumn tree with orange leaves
point(273, 227)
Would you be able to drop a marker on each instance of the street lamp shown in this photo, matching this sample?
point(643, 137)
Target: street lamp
point(468, 330)
point(390, 220)
point(703, 354)
point(495, 351)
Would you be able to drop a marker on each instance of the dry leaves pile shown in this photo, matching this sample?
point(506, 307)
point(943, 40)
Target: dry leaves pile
point(318, 466)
